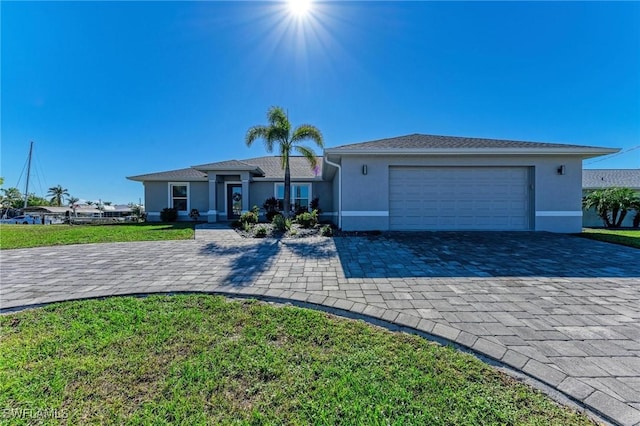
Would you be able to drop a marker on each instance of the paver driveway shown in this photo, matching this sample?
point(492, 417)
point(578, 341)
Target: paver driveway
point(562, 309)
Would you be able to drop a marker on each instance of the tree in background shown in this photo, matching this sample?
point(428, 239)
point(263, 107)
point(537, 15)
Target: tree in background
point(611, 204)
point(57, 194)
point(12, 198)
point(278, 132)
point(73, 203)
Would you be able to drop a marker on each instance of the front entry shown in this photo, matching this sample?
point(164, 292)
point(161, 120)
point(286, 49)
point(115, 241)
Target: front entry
point(234, 201)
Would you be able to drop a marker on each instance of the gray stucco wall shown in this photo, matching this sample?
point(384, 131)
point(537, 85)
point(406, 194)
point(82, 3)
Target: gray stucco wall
point(555, 207)
point(156, 196)
point(199, 198)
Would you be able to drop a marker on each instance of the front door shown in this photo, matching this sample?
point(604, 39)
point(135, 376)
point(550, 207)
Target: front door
point(234, 201)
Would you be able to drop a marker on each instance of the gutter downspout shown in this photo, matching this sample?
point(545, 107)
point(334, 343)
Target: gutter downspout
point(339, 167)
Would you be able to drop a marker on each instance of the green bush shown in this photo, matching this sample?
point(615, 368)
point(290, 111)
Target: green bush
point(250, 217)
point(326, 231)
point(169, 214)
point(261, 232)
point(281, 224)
point(271, 214)
point(246, 227)
point(308, 220)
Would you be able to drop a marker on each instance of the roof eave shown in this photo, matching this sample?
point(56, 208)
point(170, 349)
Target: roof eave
point(585, 152)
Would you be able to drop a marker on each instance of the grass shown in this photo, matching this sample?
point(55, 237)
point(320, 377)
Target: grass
point(627, 237)
point(23, 236)
point(197, 359)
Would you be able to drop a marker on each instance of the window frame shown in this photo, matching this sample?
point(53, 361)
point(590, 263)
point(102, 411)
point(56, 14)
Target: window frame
point(281, 184)
point(171, 198)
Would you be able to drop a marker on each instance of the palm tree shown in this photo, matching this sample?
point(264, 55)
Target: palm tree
point(12, 197)
point(57, 193)
point(72, 203)
point(611, 204)
point(279, 132)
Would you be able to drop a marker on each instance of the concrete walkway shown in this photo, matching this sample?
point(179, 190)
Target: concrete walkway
point(563, 310)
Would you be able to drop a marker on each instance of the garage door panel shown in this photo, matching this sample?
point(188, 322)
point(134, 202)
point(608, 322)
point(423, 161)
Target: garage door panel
point(484, 198)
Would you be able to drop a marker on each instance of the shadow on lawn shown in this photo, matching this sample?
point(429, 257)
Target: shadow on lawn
point(483, 254)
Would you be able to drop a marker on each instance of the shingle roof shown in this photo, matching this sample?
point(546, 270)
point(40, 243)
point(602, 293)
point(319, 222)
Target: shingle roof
point(228, 164)
point(188, 174)
point(419, 141)
point(300, 167)
point(269, 167)
point(604, 178)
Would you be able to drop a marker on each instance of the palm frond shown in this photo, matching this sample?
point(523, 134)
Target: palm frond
point(256, 132)
point(308, 154)
point(308, 132)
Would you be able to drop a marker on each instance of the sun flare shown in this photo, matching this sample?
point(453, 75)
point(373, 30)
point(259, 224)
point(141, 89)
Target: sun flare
point(299, 8)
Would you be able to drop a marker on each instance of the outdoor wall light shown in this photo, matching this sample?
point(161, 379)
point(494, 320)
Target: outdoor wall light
point(364, 169)
point(561, 170)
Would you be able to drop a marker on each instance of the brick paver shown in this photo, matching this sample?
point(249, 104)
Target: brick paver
point(559, 308)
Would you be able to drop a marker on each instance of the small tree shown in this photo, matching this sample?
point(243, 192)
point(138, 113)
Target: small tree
point(57, 194)
point(611, 204)
point(73, 204)
point(278, 134)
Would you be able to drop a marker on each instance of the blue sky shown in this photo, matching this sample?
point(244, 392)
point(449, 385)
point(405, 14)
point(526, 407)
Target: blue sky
point(108, 90)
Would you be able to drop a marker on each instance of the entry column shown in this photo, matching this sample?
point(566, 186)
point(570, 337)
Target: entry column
point(212, 214)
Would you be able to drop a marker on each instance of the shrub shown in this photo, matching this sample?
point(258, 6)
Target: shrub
point(308, 220)
point(281, 224)
point(261, 232)
point(169, 214)
point(271, 215)
point(636, 220)
point(246, 227)
point(326, 231)
point(315, 205)
point(611, 204)
point(250, 217)
point(300, 210)
point(271, 207)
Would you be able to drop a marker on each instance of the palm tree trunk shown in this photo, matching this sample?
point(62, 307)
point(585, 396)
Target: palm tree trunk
point(287, 189)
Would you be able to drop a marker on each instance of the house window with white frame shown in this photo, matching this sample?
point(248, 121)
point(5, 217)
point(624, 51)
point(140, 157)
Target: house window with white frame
point(178, 194)
point(300, 195)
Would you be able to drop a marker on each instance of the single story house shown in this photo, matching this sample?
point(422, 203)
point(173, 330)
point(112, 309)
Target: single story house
point(412, 182)
point(607, 178)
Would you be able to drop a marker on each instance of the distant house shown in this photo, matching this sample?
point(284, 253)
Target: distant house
point(607, 178)
point(413, 182)
point(80, 211)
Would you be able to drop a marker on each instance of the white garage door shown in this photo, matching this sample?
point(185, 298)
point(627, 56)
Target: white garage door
point(459, 198)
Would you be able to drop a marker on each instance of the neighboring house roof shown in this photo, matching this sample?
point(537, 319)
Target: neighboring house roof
point(423, 144)
point(605, 178)
point(188, 174)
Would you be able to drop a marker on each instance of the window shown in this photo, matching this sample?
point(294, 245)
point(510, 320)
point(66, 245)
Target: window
point(300, 195)
point(178, 194)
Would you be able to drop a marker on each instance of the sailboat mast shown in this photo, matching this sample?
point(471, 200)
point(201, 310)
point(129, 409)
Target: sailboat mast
point(26, 188)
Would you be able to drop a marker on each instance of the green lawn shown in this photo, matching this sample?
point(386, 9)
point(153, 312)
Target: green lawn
point(625, 237)
point(22, 236)
point(206, 360)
